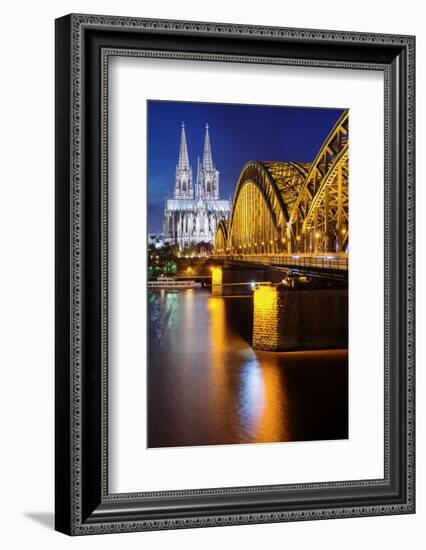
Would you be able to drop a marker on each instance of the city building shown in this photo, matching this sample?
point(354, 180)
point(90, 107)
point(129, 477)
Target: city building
point(195, 210)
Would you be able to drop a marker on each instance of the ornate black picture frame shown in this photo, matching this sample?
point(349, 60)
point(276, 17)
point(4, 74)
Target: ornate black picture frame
point(83, 45)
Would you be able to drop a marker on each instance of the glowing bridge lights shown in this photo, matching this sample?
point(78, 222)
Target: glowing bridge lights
point(292, 207)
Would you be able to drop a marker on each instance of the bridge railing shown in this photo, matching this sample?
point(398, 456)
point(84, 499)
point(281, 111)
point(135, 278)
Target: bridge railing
point(337, 262)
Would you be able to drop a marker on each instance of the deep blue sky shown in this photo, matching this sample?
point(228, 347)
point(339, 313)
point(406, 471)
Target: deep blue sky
point(238, 133)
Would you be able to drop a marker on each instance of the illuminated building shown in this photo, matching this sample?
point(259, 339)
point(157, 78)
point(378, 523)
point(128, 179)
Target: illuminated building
point(194, 212)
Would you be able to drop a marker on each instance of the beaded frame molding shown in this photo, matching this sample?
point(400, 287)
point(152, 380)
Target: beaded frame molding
point(84, 44)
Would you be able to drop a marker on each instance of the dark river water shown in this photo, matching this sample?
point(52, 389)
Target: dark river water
point(207, 386)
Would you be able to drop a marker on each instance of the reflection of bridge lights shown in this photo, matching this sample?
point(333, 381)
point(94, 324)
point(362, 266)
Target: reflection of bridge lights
point(263, 243)
point(251, 395)
point(298, 237)
point(213, 303)
point(343, 231)
point(317, 235)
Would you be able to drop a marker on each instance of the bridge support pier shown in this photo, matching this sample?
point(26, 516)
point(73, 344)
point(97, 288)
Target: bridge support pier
point(268, 304)
point(285, 319)
point(217, 278)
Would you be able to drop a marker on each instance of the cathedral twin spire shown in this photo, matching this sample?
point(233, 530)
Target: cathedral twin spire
point(183, 151)
point(207, 184)
point(207, 157)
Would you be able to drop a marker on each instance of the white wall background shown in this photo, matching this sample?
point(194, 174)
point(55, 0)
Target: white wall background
point(26, 289)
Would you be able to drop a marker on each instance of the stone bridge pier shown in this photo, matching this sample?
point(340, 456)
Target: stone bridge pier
point(285, 319)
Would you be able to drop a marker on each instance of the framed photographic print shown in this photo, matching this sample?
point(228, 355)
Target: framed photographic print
point(234, 274)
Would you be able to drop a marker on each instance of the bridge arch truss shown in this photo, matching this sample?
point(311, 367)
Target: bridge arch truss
point(287, 207)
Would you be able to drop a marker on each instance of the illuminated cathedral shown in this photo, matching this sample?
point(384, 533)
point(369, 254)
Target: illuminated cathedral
point(194, 212)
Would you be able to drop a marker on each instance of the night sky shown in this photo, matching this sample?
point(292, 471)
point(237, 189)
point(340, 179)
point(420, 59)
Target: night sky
point(238, 133)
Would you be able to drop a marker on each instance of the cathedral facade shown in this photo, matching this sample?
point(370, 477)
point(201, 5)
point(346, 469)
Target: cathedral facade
point(195, 210)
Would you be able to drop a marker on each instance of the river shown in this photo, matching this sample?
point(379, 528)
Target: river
point(207, 386)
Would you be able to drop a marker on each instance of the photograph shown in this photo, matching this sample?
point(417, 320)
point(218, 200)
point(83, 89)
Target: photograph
point(247, 273)
point(225, 353)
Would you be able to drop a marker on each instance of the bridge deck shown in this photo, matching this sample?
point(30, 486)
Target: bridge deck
point(335, 262)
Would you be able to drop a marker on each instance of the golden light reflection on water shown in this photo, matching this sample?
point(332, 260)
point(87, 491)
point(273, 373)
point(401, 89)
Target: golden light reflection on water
point(219, 389)
point(259, 406)
point(206, 385)
point(273, 424)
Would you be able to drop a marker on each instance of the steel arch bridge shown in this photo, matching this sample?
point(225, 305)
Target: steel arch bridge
point(284, 208)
